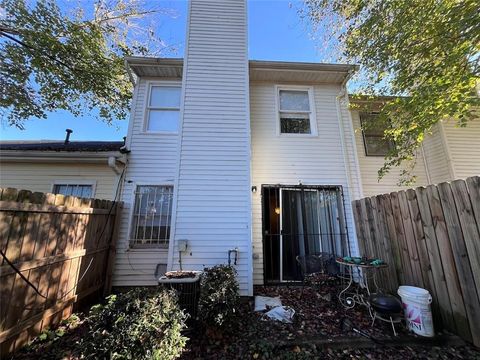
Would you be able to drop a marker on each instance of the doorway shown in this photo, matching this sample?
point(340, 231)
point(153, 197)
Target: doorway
point(300, 220)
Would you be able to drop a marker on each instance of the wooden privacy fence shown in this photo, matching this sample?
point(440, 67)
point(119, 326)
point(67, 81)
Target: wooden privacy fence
point(64, 246)
point(430, 236)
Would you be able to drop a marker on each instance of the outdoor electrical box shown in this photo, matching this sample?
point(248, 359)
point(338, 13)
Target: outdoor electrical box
point(182, 245)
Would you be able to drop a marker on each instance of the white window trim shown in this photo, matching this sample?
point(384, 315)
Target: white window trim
point(313, 116)
point(92, 183)
point(147, 108)
point(137, 247)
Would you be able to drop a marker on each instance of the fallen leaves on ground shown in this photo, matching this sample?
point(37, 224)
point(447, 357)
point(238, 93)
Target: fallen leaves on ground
point(318, 314)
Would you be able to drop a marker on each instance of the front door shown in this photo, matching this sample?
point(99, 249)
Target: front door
point(300, 220)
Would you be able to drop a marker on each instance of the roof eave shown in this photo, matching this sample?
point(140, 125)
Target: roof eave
point(302, 66)
point(57, 157)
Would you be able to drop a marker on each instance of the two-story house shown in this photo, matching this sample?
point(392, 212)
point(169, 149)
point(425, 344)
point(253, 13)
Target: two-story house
point(230, 160)
point(251, 162)
point(248, 161)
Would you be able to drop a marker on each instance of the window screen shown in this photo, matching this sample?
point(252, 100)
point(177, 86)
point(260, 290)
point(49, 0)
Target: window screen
point(152, 215)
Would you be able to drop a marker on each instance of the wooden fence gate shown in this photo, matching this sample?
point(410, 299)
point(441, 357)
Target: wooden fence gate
point(430, 236)
point(64, 246)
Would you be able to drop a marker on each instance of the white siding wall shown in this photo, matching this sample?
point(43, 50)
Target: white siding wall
point(41, 176)
point(369, 166)
point(285, 160)
point(213, 196)
point(152, 161)
point(437, 157)
point(463, 147)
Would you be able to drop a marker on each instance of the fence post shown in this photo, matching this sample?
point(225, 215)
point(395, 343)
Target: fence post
point(112, 250)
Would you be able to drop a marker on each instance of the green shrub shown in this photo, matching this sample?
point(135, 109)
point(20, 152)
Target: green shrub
point(139, 324)
point(219, 299)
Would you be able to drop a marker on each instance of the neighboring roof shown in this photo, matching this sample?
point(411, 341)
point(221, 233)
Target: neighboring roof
point(361, 98)
point(279, 71)
point(60, 146)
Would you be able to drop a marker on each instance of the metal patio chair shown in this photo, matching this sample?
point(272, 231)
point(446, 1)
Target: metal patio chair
point(316, 264)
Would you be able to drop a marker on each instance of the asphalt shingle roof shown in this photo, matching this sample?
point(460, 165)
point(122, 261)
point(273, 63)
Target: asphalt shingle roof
point(95, 146)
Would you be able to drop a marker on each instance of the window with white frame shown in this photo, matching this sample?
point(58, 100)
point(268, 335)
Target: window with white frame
point(152, 215)
point(70, 189)
point(163, 108)
point(295, 111)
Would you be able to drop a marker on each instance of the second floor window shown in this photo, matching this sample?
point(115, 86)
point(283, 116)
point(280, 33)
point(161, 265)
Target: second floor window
point(374, 135)
point(163, 110)
point(295, 111)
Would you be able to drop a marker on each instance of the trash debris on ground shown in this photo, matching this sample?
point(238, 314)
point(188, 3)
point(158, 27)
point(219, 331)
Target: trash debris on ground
point(281, 313)
point(263, 303)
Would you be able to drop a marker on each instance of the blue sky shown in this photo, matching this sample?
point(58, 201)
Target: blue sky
point(276, 32)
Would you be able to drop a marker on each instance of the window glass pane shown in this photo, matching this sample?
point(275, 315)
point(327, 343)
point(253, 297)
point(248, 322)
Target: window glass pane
point(73, 190)
point(377, 146)
point(294, 100)
point(152, 215)
point(373, 132)
point(165, 96)
point(163, 120)
point(294, 124)
point(372, 125)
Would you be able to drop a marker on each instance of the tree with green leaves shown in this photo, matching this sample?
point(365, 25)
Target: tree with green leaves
point(424, 52)
point(52, 58)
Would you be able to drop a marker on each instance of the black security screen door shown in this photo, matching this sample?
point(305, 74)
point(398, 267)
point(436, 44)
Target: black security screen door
point(300, 220)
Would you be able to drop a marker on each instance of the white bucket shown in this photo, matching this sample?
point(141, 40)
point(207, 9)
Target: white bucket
point(416, 304)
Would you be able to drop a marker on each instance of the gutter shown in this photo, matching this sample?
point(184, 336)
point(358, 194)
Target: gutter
point(129, 72)
point(58, 157)
point(302, 66)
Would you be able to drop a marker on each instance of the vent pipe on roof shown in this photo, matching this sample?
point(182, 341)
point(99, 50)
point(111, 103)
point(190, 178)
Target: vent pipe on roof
point(67, 137)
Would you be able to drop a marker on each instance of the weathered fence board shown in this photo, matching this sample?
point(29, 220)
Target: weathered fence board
point(431, 238)
point(64, 246)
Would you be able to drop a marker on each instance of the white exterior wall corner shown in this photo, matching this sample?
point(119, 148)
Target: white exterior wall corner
point(437, 159)
point(352, 166)
point(152, 161)
point(213, 188)
point(462, 146)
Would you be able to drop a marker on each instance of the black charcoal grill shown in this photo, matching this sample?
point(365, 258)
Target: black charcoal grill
point(386, 308)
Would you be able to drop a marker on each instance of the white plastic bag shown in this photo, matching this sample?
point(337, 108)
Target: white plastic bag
point(281, 313)
point(263, 303)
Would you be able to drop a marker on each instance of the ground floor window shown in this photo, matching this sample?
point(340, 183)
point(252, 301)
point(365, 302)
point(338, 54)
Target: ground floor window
point(78, 190)
point(152, 215)
point(300, 221)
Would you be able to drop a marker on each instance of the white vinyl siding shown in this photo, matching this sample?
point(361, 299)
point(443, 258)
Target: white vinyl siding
point(369, 166)
point(213, 206)
point(436, 157)
point(463, 147)
point(42, 177)
point(152, 159)
point(318, 160)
